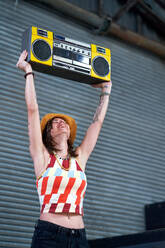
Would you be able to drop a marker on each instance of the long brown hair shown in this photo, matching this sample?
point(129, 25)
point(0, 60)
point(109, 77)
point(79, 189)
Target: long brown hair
point(50, 144)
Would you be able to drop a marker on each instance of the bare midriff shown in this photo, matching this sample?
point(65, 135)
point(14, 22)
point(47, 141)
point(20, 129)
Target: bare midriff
point(69, 220)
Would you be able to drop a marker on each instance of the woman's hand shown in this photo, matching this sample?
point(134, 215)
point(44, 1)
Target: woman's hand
point(22, 64)
point(105, 86)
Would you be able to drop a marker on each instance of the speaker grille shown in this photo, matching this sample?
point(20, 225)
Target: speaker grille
point(100, 66)
point(41, 50)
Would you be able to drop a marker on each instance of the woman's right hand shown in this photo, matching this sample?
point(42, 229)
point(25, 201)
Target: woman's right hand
point(22, 64)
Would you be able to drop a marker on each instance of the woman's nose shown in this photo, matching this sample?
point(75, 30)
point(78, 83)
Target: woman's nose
point(61, 122)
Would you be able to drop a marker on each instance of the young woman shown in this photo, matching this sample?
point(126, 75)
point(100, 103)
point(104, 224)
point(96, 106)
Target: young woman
point(59, 169)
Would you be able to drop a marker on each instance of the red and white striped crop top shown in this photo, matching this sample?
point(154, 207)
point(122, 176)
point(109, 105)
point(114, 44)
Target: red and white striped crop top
point(60, 190)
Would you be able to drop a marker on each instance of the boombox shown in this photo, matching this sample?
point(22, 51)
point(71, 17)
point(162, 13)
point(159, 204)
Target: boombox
point(55, 54)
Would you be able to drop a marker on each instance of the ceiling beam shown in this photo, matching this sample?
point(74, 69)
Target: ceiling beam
point(100, 8)
point(125, 8)
point(161, 3)
point(149, 10)
point(153, 19)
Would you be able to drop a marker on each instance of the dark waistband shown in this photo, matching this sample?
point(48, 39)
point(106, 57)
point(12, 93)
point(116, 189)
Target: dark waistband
point(46, 225)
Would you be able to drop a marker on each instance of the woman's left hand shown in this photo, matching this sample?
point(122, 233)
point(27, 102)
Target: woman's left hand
point(105, 86)
point(102, 85)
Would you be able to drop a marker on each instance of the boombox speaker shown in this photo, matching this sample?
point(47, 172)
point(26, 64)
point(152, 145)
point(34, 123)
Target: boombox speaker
point(51, 53)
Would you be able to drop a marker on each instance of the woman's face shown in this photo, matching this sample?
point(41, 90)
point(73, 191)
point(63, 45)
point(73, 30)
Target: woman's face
point(60, 126)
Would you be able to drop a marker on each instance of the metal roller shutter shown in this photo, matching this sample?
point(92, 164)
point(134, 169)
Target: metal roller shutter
point(126, 169)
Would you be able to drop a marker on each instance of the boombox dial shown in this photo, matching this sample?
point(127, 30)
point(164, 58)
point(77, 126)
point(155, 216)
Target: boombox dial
point(41, 50)
point(100, 66)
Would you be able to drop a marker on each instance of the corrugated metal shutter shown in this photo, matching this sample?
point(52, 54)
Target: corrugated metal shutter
point(126, 169)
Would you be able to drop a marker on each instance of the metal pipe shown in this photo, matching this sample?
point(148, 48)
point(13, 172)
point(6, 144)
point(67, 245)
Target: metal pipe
point(138, 40)
point(74, 11)
point(114, 29)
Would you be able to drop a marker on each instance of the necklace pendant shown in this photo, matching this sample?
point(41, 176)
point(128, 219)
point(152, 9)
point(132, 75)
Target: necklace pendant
point(65, 162)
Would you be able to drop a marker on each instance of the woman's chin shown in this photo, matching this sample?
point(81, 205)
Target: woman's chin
point(62, 134)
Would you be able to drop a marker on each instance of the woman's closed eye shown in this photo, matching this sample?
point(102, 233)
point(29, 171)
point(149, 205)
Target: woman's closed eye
point(59, 121)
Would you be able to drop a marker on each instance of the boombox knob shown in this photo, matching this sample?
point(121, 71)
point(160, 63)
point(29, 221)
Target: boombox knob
point(41, 50)
point(100, 66)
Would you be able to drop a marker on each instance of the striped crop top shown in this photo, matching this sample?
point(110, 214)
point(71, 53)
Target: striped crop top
point(61, 190)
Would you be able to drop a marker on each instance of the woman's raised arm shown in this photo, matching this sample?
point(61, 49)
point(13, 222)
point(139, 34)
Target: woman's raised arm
point(91, 136)
point(36, 147)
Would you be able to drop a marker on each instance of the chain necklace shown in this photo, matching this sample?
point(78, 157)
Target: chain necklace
point(68, 158)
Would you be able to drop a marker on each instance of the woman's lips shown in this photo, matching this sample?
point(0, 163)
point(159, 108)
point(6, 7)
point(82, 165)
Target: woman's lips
point(61, 126)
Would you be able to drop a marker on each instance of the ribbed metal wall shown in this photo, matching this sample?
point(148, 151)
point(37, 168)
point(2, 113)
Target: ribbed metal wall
point(126, 169)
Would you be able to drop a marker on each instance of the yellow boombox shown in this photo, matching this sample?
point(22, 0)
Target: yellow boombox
point(51, 53)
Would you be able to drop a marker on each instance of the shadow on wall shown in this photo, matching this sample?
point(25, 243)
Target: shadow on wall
point(148, 239)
